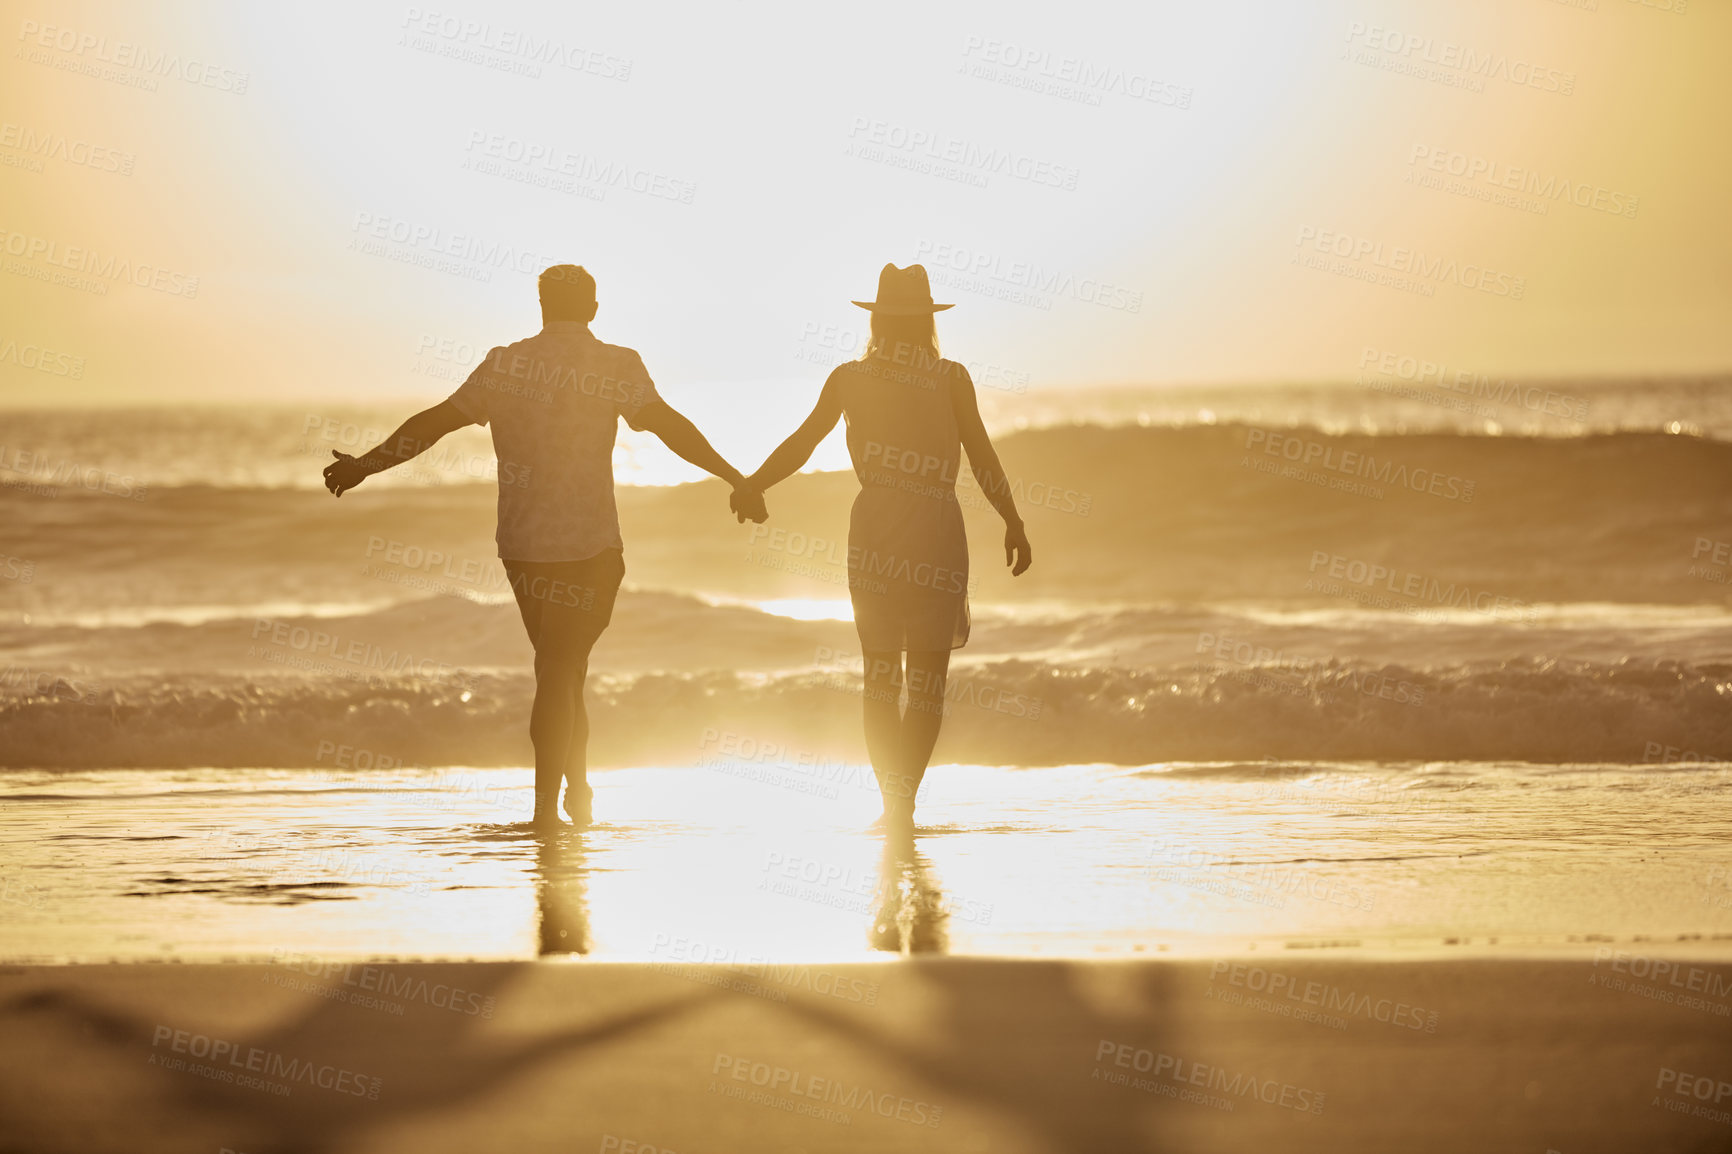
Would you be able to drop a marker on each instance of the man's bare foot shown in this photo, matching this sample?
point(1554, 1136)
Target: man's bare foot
point(579, 803)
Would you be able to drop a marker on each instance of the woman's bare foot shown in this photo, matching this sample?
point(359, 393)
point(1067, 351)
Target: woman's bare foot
point(579, 803)
point(898, 817)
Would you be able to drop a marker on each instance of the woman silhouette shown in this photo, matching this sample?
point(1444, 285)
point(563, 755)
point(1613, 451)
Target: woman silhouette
point(909, 414)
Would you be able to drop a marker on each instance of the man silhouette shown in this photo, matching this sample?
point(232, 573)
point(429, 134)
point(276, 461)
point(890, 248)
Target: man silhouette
point(553, 402)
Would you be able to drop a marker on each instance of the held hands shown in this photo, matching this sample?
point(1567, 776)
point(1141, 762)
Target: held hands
point(1018, 553)
point(344, 473)
point(748, 504)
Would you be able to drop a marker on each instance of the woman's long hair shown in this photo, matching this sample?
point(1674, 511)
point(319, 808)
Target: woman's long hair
point(911, 341)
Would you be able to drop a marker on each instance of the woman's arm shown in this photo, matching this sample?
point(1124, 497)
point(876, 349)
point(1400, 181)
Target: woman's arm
point(797, 449)
point(983, 459)
point(412, 438)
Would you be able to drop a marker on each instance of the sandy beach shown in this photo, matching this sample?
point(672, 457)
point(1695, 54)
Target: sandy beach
point(972, 578)
point(1277, 1053)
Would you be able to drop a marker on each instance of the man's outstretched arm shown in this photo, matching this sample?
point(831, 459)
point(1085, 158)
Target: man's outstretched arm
point(680, 435)
point(412, 438)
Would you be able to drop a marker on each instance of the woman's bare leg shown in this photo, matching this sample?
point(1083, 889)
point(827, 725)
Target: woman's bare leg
point(927, 670)
point(881, 710)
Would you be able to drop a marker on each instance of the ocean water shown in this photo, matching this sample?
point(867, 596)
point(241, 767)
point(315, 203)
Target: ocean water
point(1458, 660)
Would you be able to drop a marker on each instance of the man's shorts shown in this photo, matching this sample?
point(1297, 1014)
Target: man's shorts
point(575, 597)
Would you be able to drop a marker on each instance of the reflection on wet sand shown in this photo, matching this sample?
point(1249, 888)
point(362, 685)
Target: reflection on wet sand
point(910, 917)
point(561, 899)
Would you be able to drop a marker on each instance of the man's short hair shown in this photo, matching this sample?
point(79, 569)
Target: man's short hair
point(566, 288)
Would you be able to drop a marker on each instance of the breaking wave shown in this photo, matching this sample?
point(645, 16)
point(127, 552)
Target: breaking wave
point(1010, 712)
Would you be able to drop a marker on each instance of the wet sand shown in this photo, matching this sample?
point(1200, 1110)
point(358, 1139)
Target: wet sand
point(1284, 1051)
point(742, 861)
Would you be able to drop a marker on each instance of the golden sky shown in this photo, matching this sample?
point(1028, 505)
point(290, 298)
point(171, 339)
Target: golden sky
point(226, 202)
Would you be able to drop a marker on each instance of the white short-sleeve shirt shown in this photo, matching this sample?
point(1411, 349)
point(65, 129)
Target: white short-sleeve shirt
point(554, 403)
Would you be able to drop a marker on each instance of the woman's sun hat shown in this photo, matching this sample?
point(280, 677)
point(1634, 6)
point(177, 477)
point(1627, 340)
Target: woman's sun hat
point(903, 292)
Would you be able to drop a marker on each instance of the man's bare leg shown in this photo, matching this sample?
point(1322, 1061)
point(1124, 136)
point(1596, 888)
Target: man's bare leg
point(551, 724)
point(578, 794)
point(559, 724)
point(563, 620)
